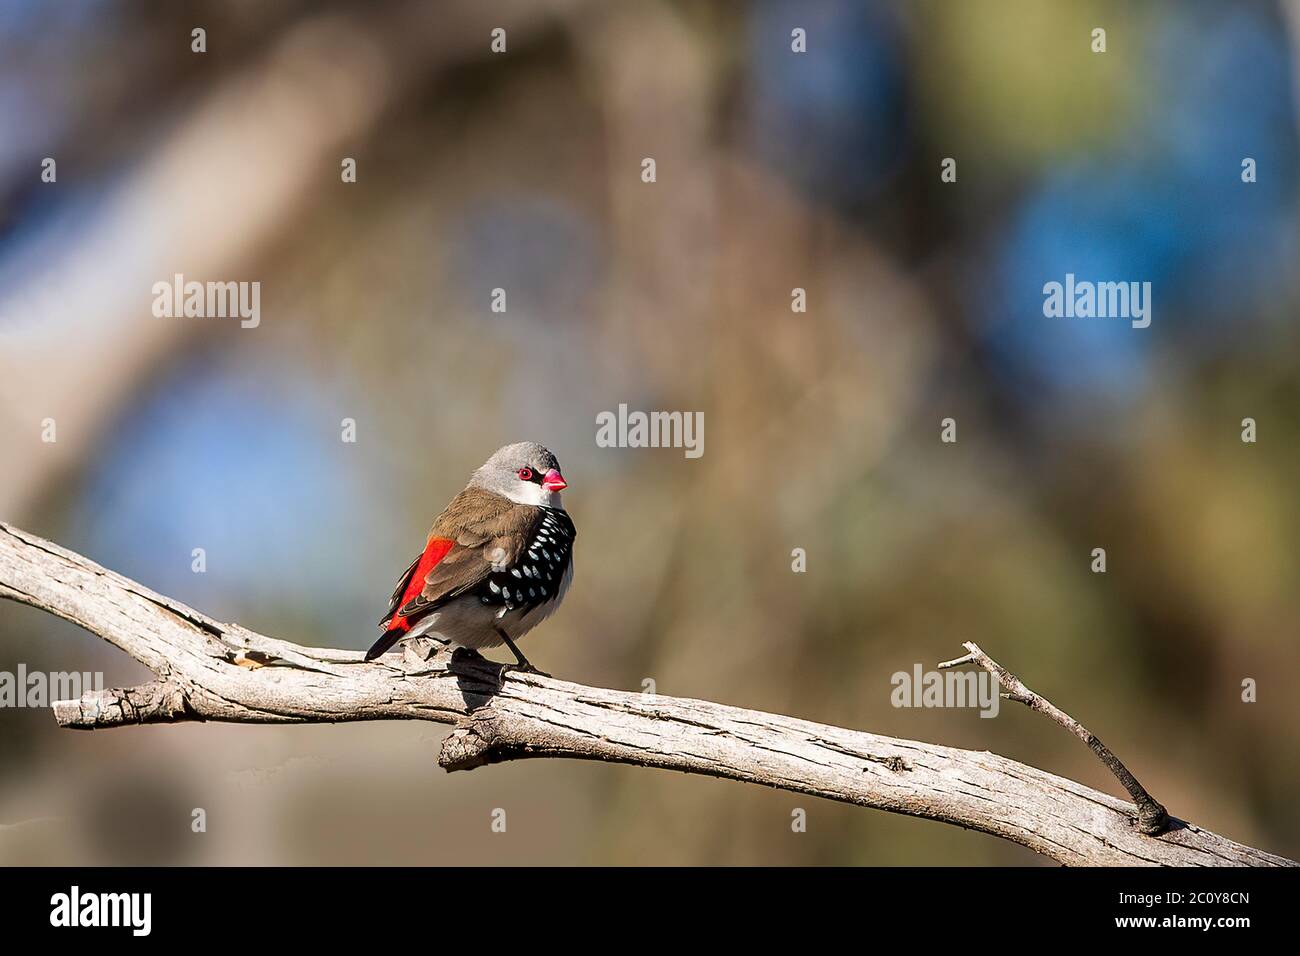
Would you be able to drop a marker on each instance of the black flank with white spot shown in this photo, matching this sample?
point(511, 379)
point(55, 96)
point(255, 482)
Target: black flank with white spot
point(535, 576)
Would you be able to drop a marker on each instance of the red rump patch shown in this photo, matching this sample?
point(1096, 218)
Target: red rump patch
point(434, 552)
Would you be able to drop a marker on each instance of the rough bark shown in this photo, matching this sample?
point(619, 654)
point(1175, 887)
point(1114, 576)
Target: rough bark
point(208, 670)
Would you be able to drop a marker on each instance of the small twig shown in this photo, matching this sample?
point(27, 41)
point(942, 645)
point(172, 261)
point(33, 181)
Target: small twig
point(1152, 817)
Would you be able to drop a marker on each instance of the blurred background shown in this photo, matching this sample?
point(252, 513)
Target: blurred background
point(775, 170)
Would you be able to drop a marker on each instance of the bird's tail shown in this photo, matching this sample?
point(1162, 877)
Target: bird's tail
point(390, 637)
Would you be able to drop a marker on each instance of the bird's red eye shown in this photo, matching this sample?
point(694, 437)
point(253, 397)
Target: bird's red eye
point(525, 474)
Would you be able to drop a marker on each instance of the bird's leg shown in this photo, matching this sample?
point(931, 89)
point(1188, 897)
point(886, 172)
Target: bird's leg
point(523, 662)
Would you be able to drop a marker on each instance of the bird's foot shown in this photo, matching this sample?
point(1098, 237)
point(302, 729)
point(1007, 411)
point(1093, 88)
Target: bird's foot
point(523, 667)
point(521, 663)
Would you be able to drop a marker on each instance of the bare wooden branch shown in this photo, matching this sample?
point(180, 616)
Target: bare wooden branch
point(208, 670)
point(1152, 816)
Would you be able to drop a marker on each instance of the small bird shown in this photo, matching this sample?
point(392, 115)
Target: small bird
point(497, 562)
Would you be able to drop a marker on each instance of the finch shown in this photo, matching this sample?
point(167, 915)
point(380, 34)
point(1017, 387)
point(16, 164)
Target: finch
point(497, 561)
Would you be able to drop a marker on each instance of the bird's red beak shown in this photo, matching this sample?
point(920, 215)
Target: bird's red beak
point(554, 481)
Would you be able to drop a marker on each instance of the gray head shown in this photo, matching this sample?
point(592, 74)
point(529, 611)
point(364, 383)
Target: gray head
point(525, 472)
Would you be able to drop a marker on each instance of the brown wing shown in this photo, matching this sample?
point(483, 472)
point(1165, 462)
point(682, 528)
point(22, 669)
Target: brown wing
point(489, 530)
